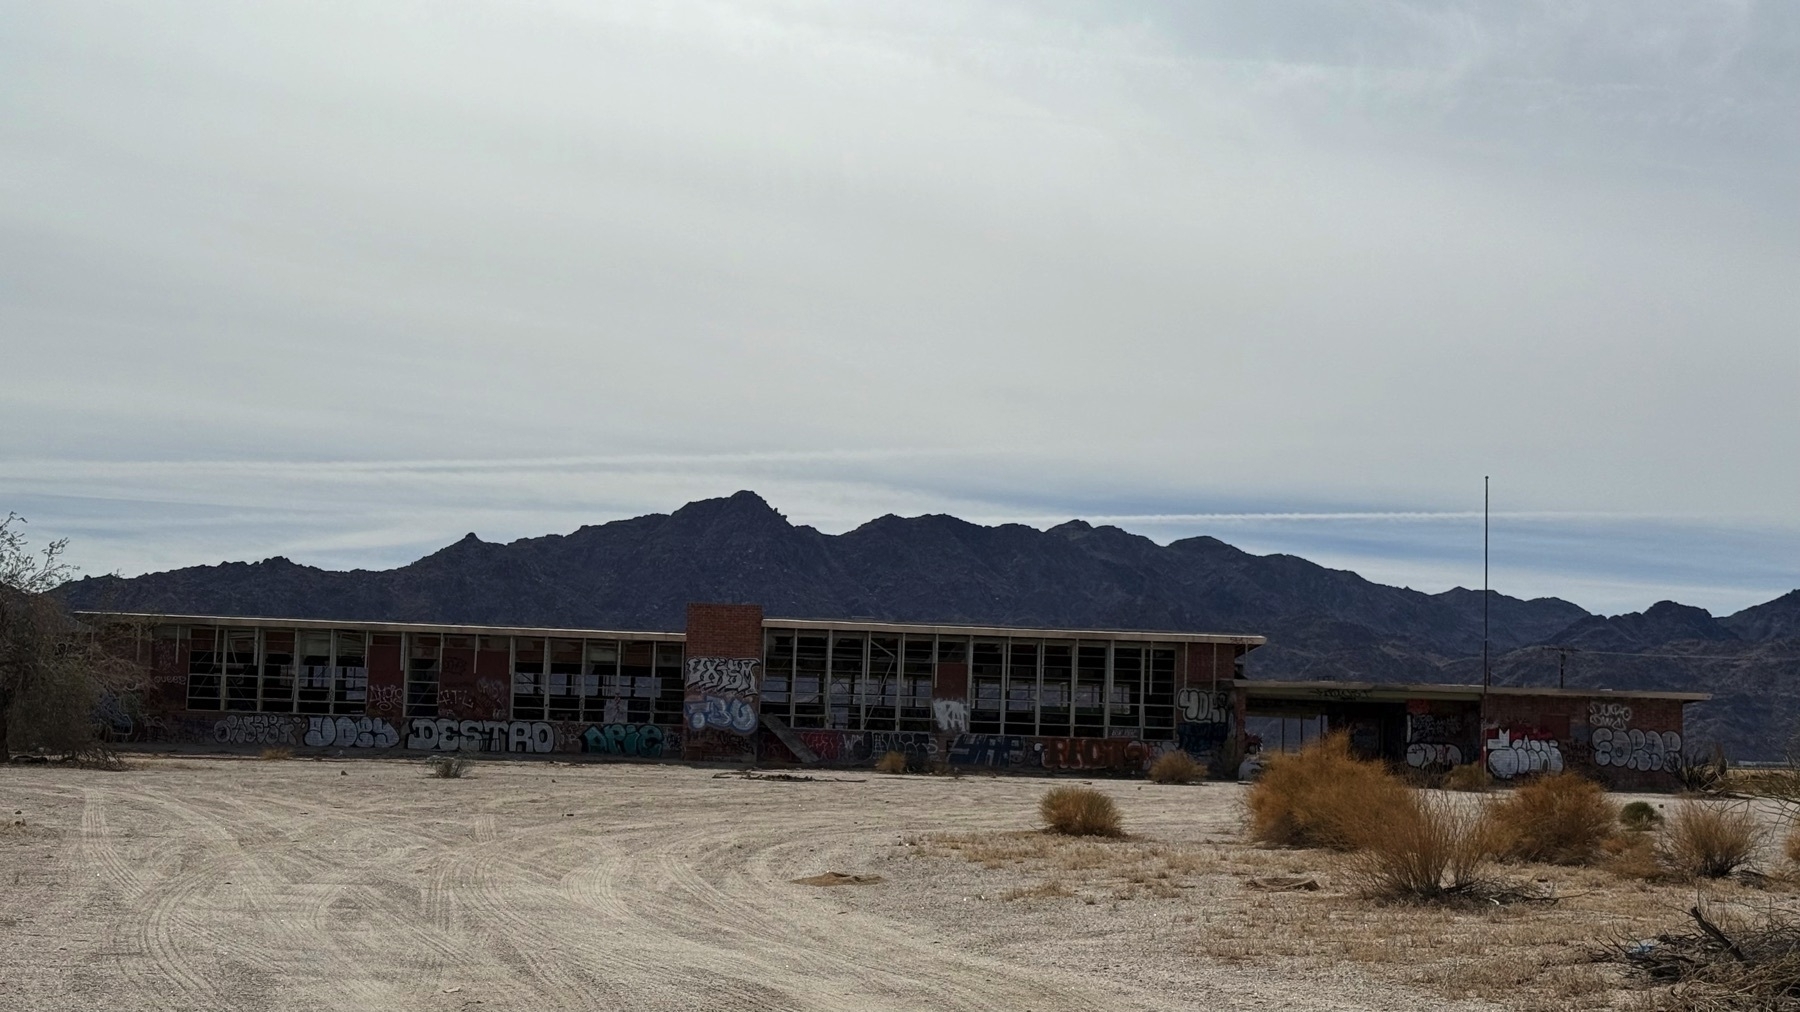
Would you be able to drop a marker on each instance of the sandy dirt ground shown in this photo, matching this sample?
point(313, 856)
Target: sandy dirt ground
point(191, 883)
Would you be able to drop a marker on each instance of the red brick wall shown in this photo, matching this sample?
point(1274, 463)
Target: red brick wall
point(721, 721)
point(1633, 744)
point(724, 630)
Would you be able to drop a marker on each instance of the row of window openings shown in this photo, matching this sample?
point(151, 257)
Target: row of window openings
point(857, 682)
point(836, 681)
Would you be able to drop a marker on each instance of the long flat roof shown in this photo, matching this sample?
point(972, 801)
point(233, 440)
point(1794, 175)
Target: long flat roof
point(1326, 692)
point(941, 629)
point(263, 622)
point(952, 629)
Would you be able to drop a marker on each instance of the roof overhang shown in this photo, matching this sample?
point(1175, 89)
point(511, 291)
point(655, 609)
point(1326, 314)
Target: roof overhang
point(950, 629)
point(242, 621)
point(1330, 692)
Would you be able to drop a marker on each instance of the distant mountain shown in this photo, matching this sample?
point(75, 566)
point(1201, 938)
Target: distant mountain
point(1321, 623)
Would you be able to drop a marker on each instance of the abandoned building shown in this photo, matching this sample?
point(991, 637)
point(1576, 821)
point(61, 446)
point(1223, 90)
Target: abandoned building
point(739, 687)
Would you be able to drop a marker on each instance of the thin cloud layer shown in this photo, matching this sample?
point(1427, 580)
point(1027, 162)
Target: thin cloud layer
point(364, 277)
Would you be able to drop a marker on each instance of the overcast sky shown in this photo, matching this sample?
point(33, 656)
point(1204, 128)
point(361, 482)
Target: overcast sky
point(344, 281)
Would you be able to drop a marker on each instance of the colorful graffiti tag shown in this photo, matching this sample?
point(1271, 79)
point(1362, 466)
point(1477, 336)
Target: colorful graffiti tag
point(444, 734)
point(1516, 752)
point(643, 741)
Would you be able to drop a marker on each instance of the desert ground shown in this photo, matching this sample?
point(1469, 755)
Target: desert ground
point(236, 883)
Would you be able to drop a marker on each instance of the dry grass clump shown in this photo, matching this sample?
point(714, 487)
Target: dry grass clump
point(278, 752)
point(1735, 965)
point(1710, 840)
point(1176, 768)
point(1430, 850)
point(1633, 855)
point(450, 766)
point(1560, 819)
point(892, 762)
point(1079, 811)
point(1791, 846)
point(1471, 777)
point(1322, 796)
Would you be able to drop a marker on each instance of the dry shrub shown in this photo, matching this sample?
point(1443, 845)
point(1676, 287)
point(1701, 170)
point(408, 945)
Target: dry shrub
point(277, 753)
point(1322, 796)
point(1791, 846)
point(1079, 811)
point(1176, 768)
point(1639, 816)
point(1711, 840)
point(1471, 777)
point(1430, 850)
point(892, 762)
point(1560, 819)
point(450, 766)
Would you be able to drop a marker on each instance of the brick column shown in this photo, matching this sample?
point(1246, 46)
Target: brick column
point(723, 682)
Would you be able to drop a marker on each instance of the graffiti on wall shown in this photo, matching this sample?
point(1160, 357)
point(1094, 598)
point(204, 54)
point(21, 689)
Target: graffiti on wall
point(988, 750)
point(1097, 753)
point(351, 732)
point(444, 734)
point(1428, 755)
point(1435, 741)
point(1637, 749)
point(643, 741)
point(1200, 740)
point(1615, 716)
point(722, 675)
point(721, 694)
point(951, 715)
point(386, 698)
point(1202, 707)
point(1516, 752)
point(257, 729)
point(917, 746)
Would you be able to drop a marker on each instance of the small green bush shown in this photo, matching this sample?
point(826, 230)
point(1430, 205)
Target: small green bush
point(1639, 816)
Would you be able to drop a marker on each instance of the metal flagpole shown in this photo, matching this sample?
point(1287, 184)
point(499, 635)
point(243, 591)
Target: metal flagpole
point(1486, 672)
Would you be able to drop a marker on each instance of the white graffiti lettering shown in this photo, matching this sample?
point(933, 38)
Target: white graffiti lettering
point(1422, 754)
point(256, 729)
point(1510, 756)
point(1637, 749)
point(721, 713)
point(1616, 716)
point(351, 732)
point(722, 674)
point(444, 734)
point(1201, 707)
point(952, 715)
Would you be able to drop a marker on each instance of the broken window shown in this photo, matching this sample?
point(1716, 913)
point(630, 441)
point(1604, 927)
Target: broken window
point(350, 672)
point(1057, 694)
point(880, 692)
point(240, 669)
point(1090, 688)
point(637, 676)
point(601, 700)
point(987, 678)
point(1159, 693)
point(278, 670)
point(847, 668)
point(205, 668)
point(671, 684)
point(778, 673)
point(1124, 716)
point(565, 680)
point(424, 664)
point(528, 678)
point(1021, 687)
point(313, 687)
point(811, 657)
point(915, 684)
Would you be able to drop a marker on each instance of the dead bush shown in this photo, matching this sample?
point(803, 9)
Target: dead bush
point(450, 766)
point(1322, 796)
point(1176, 768)
point(1791, 846)
point(1429, 850)
point(1560, 819)
point(892, 762)
point(1711, 840)
point(1471, 777)
point(277, 752)
point(1738, 964)
point(1079, 811)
